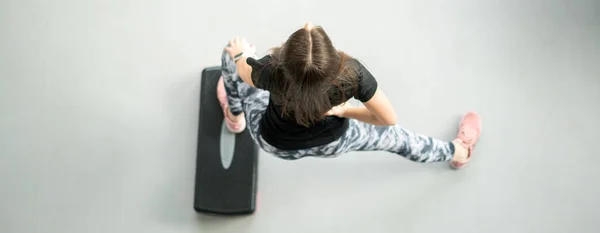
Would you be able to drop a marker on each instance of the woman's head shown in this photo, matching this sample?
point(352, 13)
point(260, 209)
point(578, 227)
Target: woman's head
point(310, 66)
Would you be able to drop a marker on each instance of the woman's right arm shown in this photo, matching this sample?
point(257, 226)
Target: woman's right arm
point(377, 111)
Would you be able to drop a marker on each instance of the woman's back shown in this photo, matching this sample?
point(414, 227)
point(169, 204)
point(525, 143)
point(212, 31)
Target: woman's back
point(282, 130)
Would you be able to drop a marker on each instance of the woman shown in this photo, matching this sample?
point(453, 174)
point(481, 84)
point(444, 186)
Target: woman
point(293, 103)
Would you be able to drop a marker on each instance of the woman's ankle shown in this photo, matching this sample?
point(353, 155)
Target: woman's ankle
point(235, 118)
point(461, 153)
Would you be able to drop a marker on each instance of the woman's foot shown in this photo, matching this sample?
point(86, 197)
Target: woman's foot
point(469, 131)
point(235, 124)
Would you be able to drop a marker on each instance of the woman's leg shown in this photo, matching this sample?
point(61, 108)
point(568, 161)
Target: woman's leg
point(245, 103)
point(233, 84)
point(419, 148)
point(366, 137)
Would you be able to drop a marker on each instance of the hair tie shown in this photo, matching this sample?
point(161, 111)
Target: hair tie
point(238, 56)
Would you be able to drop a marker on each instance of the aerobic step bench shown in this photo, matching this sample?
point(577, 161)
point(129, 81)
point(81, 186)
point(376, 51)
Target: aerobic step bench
point(226, 165)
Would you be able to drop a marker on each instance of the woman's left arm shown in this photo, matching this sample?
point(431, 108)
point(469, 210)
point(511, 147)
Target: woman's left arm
point(241, 46)
point(244, 71)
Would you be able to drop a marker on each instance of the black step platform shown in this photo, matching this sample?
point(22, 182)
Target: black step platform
point(225, 184)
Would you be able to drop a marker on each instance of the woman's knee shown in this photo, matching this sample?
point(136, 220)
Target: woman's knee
point(224, 53)
point(227, 63)
point(225, 57)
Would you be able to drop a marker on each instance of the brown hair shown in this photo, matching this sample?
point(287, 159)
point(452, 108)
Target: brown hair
point(313, 76)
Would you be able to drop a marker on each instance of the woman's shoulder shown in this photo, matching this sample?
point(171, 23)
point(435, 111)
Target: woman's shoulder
point(358, 68)
point(356, 64)
point(263, 71)
point(367, 84)
point(260, 62)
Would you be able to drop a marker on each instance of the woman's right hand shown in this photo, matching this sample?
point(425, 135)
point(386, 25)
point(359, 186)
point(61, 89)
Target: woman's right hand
point(338, 110)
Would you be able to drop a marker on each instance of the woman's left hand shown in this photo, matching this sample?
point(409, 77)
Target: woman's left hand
point(240, 45)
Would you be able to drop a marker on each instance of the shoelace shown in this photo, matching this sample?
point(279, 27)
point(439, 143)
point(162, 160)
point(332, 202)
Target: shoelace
point(467, 136)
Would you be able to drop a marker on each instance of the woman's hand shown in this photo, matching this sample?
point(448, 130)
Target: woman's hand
point(338, 110)
point(240, 45)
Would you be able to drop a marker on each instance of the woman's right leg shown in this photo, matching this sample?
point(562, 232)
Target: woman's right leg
point(395, 139)
point(419, 148)
point(366, 137)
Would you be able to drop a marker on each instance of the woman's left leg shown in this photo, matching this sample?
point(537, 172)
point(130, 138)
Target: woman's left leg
point(232, 91)
point(241, 100)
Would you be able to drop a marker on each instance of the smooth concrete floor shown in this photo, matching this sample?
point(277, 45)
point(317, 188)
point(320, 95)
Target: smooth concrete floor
point(99, 107)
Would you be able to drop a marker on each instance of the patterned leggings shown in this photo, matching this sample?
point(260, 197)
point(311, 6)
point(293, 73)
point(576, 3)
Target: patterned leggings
point(359, 136)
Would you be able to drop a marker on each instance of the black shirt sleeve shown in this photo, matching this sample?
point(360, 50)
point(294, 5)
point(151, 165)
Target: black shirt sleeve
point(367, 85)
point(262, 71)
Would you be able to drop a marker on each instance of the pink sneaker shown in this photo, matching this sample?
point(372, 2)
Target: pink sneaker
point(469, 131)
point(234, 127)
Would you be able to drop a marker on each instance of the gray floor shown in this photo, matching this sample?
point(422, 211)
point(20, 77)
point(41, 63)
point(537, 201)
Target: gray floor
point(99, 102)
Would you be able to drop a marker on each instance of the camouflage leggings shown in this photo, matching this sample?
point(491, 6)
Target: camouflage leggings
point(359, 136)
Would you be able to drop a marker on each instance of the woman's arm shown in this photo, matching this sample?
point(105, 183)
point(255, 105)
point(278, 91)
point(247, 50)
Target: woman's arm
point(362, 114)
point(239, 46)
point(244, 71)
point(381, 108)
point(377, 111)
